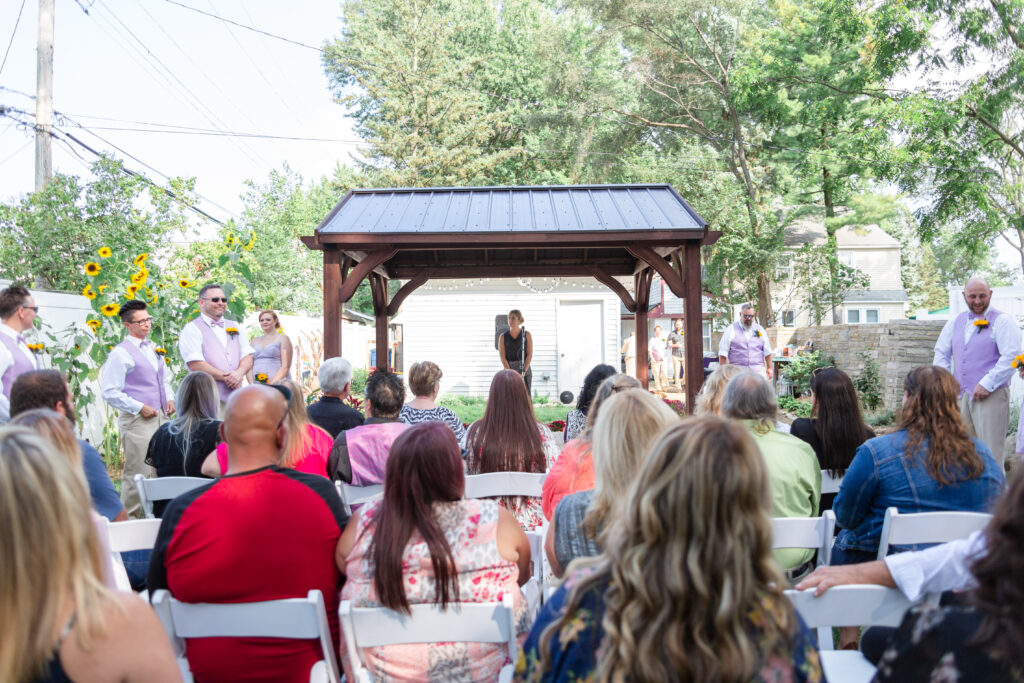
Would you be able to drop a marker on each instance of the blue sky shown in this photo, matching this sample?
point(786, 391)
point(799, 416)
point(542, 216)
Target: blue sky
point(181, 68)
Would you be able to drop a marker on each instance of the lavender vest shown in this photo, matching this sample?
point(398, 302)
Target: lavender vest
point(746, 352)
point(20, 366)
point(973, 360)
point(225, 360)
point(368, 447)
point(144, 383)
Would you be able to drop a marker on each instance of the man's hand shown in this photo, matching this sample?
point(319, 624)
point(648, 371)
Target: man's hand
point(768, 371)
point(147, 412)
point(980, 393)
point(233, 379)
point(169, 408)
point(824, 578)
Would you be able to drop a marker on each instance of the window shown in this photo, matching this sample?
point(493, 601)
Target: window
point(706, 333)
point(855, 316)
point(852, 316)
point(788, 317)
point(871, 315)
point(784, 271)
point(846, 258)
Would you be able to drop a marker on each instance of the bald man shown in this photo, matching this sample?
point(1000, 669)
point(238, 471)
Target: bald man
point(978, 347)
point(261, 532)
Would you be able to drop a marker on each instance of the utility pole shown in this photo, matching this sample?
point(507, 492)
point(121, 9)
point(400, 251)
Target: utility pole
point(44, 95)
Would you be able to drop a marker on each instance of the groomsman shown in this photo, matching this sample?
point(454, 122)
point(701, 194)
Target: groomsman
point(746, 343)
point(17, 311)
point(136, 382)
point(978, 347)
point(215, 345)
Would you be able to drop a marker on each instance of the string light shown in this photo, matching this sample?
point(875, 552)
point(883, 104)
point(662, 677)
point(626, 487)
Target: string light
point(526, 283)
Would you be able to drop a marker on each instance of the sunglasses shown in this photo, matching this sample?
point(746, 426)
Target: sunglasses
point(34, 309)
point(217, 299)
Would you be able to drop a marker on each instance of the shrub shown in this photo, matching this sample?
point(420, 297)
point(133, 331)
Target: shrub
point(868, 383)
point(792, 405)
point(799, 370)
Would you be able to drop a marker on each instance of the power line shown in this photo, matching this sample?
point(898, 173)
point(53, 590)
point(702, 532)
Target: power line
point(15, 152)
point(13, 33)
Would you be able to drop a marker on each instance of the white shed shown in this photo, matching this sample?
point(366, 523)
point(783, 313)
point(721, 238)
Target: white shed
point(574, 323)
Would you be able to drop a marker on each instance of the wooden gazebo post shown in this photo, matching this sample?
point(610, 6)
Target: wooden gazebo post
point(642, 287)
point(693, 344)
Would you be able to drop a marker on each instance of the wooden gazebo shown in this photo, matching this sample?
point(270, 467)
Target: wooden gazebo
point(602, 231)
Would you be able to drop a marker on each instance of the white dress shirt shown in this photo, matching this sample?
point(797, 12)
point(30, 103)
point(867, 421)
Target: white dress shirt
point(657, 345)
point(730, 332)
point(944, 567)
point(1007, 338)
point(190, 341)
point(6, 361)
point(120, 363)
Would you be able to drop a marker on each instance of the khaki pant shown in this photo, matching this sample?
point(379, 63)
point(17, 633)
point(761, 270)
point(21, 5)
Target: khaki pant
point(136, 431)
point(987, 419)
point(677, 371)
point(631, 366)
point(658, 370)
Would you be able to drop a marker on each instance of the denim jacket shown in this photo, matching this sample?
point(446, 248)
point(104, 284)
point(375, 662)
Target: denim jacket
point(882, 475)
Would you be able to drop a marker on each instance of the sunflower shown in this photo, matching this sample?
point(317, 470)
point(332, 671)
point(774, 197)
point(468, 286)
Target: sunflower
point(140, 277)
point(110, 310)
point(140, 259)
point(184, 284)
point(104, 287)
point(104, 252)
point(92, 268)
point(88, 293)
point(251, 243)
point(94, 324)
point(131, 291)
point(229, 240)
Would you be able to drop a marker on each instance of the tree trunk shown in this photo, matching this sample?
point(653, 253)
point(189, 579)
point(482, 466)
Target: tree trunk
point(764, 299)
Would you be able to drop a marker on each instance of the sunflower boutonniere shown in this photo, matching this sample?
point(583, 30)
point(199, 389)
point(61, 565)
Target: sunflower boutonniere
point(160, 351)
point(1018, 362)
point(981, 324)
point(232, 331)
point(35, 348)
point(757, 333)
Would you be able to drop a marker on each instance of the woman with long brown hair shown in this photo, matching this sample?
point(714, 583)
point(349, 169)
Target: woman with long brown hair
point(929, 464)
point(423, 543)
point(508, 438)
point(687, 588)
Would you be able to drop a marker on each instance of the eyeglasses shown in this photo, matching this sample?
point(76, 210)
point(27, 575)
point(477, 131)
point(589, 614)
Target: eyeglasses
point(34, 309)
point(748, 316)
point(217, 299)
point(144, 321)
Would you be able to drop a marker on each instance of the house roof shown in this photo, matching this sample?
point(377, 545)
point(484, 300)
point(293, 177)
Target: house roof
point(875, 296)
point(810, 229)
point(805, 230)
point(864, 236)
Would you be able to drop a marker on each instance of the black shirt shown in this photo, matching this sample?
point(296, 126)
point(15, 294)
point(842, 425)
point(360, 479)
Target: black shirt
point(333, 416)
point(803, 429)
point(166, 453)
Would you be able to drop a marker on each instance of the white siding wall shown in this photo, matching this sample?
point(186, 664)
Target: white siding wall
point(882, 265)
point(455, 329)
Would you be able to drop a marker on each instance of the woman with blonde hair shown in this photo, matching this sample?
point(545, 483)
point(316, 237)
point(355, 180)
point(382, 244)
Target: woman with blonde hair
point(709, 398)
point(627, 424)
point(58, 622)
point(687, 588)
point(425, 383)
point(273, 351)
point(306, 447)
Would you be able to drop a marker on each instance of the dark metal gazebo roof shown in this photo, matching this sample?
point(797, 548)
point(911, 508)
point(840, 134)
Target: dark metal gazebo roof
point(602, 231)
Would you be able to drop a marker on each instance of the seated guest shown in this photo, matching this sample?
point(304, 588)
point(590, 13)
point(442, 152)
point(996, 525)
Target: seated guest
point(573, 471)
point(425, 382)
point(425, 544)
point(47, 389)
point(836, 428)
point(359, 455)
point(576, 420)
point(331, 413)
point(976, 636)
point(709, 398)
point(626, 424)
point(264, 533)
point(686, 588)
point(179, 446)
point(58, 621)
point(306, 448)
point(792, 467)
point(508, 438)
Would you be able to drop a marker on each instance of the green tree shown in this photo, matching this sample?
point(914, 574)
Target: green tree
point(49, 235)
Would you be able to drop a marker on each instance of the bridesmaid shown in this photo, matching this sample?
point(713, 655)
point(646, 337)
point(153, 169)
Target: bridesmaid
point(273, 355)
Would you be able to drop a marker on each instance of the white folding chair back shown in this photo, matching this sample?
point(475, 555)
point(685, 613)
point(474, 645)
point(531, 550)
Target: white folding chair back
point(134, 534)
point(928, 527)
point(830, 484)
point(849, 606)
point(463, 623)
point(296, 618)
point(357, 495)
point(504, 484)
point(806, 532)
point(164, 488)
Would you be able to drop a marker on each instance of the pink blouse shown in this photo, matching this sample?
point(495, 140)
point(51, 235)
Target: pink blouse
point(312, 457)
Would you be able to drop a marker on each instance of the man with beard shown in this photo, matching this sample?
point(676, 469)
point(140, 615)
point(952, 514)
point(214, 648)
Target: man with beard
point(746, 343)
point(47, 389)
point(978, 347)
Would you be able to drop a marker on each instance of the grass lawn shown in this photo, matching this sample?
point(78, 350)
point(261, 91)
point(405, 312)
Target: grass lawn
point(472, 412)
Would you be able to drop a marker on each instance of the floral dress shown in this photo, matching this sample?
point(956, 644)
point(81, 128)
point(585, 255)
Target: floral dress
point(576, 647)
point(470, 527)
point(528, 511)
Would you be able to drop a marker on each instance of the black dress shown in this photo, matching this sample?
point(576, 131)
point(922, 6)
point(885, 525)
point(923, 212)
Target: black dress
point(166, 453)
point(515, 356)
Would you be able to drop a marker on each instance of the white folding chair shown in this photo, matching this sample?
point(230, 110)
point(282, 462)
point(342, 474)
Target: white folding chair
point(134, 534)
point(849, 606)
point(164, 488)
point(463, 623)
point(807, 532)
point(534, 588)
point(927, 527)
point(296, 618)
point(830, 484)
point(357, 495)
point(504, 484)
